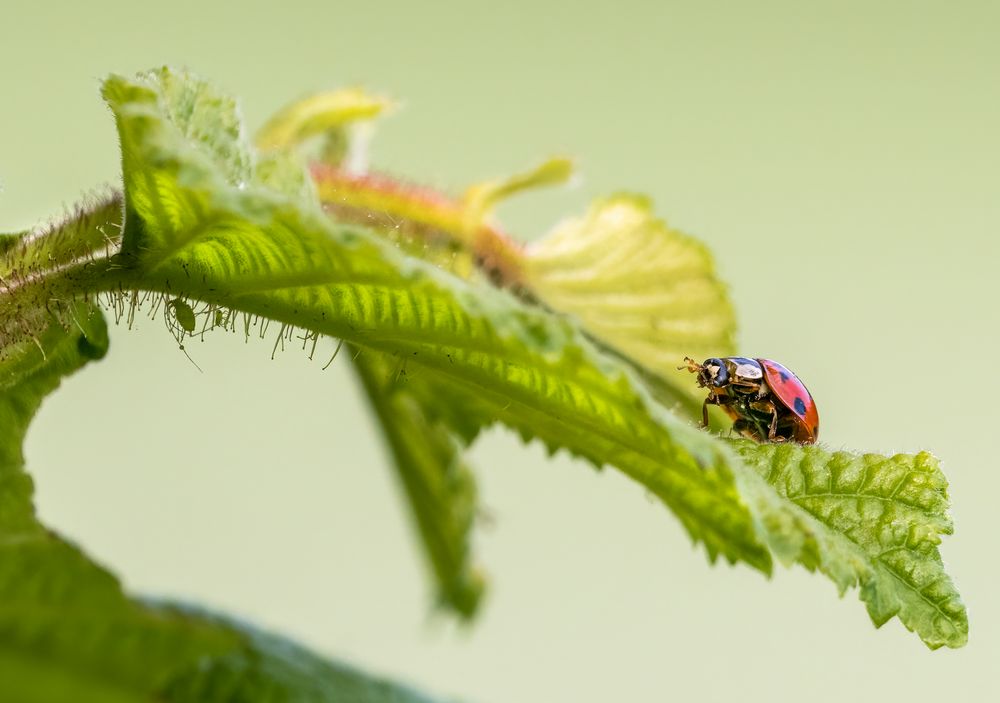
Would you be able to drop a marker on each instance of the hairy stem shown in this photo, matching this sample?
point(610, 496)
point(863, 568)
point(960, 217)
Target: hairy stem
point(384, 202)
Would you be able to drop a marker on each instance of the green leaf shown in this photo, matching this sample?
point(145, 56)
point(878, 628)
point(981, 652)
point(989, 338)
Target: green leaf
point(198, 227)
point(28, 372)
point(265, 254)
point(68, 632)
point(253, 250)
point(61, 613)
point(643, 288)
point(274, 670)
point(865, 520)
point(427, 451)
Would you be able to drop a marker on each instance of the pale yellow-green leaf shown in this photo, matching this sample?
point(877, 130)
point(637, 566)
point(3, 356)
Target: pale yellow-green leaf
point(318, 114)
point(636, 284)
point(480, 199)
point(340, 117)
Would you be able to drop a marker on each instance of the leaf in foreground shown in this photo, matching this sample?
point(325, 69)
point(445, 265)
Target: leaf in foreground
point(428, 457)
point(872, 521)
point(67, 630)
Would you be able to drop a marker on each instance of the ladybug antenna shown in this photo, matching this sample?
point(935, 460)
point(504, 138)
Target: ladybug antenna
point(691, 365)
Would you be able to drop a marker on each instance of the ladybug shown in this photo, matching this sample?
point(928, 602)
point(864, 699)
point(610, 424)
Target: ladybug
point(767, 401)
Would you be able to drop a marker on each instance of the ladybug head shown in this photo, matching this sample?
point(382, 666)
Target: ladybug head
point(713, 373)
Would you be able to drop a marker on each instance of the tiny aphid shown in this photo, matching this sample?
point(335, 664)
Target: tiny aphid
point(183, 314)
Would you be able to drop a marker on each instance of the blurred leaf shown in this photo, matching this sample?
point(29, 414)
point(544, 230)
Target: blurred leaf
point(271, 669)
point(61, 614)
point(646, 290)
point(340, 117)
point(319, 114)
point(284, 172)
point(69, 633)
point(480, 199)
point(427, 450)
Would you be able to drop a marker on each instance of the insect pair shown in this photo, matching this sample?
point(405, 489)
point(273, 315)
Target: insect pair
point(767, 402)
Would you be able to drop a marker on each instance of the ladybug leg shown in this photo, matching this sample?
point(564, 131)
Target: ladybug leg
point(713, 399)
point(767, 406)
point(747, 429)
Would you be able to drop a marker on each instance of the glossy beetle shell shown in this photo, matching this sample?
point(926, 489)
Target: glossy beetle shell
point(794, 395)
point(767, 402)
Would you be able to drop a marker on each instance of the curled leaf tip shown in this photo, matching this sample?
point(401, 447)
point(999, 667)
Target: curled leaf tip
point(480, 199)
point(320, 114)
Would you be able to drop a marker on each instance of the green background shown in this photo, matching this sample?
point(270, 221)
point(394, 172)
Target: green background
point(839, 158)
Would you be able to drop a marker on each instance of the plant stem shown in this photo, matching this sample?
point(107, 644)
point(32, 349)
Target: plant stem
point(375, 199)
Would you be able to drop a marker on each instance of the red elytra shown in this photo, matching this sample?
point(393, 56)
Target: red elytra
point(794, 395)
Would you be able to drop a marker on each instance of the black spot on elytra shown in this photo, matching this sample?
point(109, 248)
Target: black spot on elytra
point(784, 376)
point(800, 406)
